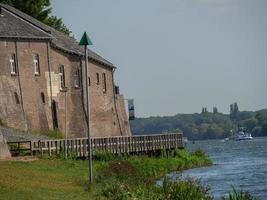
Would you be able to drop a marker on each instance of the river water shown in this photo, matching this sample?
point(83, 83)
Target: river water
point(242, 164)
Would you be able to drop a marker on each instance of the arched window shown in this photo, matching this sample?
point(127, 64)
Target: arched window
point(43, 97)
point(97, 79)
point(77, 79)
point(16, 98)
point(61, 77)
point(104, 83)
point(36, 63)
point(13, 66)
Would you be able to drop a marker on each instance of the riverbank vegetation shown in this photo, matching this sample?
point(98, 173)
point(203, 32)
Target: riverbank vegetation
point(205, 125)
point(115, 177)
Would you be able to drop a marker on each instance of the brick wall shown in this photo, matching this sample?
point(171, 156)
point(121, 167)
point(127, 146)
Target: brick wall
point(107, 114)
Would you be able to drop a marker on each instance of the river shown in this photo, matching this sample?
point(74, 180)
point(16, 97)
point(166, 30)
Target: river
point(242, 164)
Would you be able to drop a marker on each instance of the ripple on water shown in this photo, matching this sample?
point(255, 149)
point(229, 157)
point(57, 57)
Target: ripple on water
point(240, 164)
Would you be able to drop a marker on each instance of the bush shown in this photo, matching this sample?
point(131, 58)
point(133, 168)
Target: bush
point(199, 153)
point(187, 189)
point(238, 195)
point(100, 156)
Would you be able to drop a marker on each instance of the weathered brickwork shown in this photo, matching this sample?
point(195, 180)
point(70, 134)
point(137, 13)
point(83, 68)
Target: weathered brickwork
point(36, 101)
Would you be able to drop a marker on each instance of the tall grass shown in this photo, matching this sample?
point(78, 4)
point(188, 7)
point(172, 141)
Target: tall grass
point(238, 195)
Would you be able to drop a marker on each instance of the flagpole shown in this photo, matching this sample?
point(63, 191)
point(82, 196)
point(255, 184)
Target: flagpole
point(88, 118)
point(86, 41)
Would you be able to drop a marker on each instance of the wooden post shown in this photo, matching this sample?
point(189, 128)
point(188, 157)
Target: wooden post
point(41, 149)
point(31, 151)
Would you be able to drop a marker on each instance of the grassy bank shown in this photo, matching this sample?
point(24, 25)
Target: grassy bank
point(115, 177)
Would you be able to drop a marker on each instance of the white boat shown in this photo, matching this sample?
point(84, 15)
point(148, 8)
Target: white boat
point(241, 135)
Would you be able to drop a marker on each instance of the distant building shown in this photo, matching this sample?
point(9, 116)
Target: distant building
point(42, 81)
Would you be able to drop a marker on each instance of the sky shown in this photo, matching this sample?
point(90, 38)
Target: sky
point(177, 56)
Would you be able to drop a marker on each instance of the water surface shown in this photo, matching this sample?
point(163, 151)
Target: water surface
point(242, 164)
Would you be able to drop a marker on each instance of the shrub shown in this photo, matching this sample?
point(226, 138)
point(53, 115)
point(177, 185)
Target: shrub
point(100, 156)
point(187, 189)
point(238, 195)
point(199, 153)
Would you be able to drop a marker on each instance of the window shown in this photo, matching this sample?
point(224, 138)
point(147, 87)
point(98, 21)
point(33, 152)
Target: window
point(13, 65)
point(77, 79)
point(61, 77)
point(117, 90)
point(97, 79)
point(16, 98)
point(36, 64)
point(104, 83)
point(43, 97)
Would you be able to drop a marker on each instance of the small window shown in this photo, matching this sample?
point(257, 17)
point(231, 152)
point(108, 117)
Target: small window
point(43, 97)
point(77, 79)
point(61, 77)
point(89, 81)
point(36, 64)
point(97, 79)
point(16, 98)
point(117, 90)
point(104, 83)
point(13, 66)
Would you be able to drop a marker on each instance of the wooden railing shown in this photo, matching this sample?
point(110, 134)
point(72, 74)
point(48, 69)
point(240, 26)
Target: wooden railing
point(116, 145)
point(21, 147)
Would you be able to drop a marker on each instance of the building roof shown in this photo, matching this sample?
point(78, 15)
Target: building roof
point(16, 24)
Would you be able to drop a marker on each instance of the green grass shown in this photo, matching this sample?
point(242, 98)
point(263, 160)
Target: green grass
point(67, 179)
point(115, 177)
point(50, 133)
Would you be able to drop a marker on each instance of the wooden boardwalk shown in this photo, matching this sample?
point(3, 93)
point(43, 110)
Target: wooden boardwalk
point(115, 145)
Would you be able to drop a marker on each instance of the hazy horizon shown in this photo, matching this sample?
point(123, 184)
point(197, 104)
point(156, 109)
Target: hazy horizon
point(177, 56)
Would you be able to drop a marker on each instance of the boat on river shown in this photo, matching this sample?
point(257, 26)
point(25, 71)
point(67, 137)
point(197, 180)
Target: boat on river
point(242, 134)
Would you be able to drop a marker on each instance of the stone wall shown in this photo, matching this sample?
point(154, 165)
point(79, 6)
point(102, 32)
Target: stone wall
point(4, 150)
point(31, 112)
point(124, 121)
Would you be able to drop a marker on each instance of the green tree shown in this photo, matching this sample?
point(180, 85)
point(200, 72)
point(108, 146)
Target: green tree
point(264, 129)
point(250, 123)
point(40, 10)
point(256, 131)
point(215, 110)
point(234, 111)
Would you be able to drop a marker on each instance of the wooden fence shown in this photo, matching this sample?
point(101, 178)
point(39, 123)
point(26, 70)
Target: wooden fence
point(125, 144)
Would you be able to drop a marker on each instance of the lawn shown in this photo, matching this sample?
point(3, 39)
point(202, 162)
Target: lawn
point(129, 177)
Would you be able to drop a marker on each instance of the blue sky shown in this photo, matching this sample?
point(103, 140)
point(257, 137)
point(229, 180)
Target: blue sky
point(176, 56)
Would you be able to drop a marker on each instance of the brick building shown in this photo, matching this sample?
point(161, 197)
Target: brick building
point(42, 81)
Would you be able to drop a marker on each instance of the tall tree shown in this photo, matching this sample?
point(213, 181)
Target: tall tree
point(41, 10)
point(234, 111)
point(215, 110)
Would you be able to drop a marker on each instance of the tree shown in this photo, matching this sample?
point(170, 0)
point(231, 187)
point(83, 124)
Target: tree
point(250, 123)
point(264, 129)
point(40, 10)
point(215, 110)
point(204, 110)
point(261, 116)
point(234, 111)
point(58, 24)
